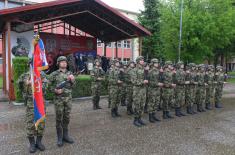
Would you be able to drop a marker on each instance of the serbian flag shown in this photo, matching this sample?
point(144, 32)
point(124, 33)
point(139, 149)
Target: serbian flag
point(38, 64)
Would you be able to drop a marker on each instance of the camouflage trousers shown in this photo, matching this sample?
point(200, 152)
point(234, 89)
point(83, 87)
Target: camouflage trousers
point(63, 108)
point(200, 95)
point(179, 96)
point(114, 91)
point(190, 95)
point(96, 90)
point(139, 98)
point(30, 126)
point(209, 94)
point(167, 97)
point(129, 95)
point(154, 95)
point(218, 93)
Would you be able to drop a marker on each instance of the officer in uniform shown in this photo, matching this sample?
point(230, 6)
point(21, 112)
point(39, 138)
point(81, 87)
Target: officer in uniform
point(209, 80)
point(129, 87)
point(62, 99)
point(219, 84)
point(25, 87)
point(97, 76)
point(154, 91)
point(167, 90)
point(201, 89)
point(180, 81)
point(139, 91)
point(114, 88)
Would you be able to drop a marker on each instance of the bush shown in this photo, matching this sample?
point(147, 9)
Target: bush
point(20, 66)
point(82, 88)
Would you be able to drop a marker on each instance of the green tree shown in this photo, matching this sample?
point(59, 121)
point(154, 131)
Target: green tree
point(149, 18)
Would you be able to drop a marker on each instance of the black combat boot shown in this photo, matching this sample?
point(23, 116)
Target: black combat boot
point(32, 146)
point(113, 113)
point(39, 144)
point(177, 112)
point(66, 137)
point(199, 108)
point(94, 106)
point(168, 114)
point(141, 121)
point(98, 106)
point(181, 113)
point(164, 115)
point(136, 122)
point(129, 110)
point(189, 110)
point(59, 137)
point(218, 105)
point(208, 106)
point(123, 103)
point(155, 118)
point(116, 112)
point(151, 120)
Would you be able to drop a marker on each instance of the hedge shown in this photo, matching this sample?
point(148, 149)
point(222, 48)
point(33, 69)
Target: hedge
point(82, 88)
point(20, 66)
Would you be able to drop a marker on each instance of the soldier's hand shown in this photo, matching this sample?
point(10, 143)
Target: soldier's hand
point(206, 84)
point(161, 70)
point(215, 82)
point(160, 84)
point(173, 85)
point(187, 72)
point(119, 82)
point(28, 82)
point(195, 82)
point(225, 82)
point(146, 81)
point(58, 91)
point(187, 82)
point(100, 79)
point(71, 78)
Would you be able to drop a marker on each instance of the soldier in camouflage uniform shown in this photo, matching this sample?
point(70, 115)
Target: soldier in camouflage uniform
point(123, 92)
point(62, 99)
point(129, 87)
point(139, 91)
point(25, 87)
point(97, 76)
point(201, 89)
point(190, 88)
point(154, 92)
point(167, 90)
point(179, 80)
point(114, 88)
point(219, 84)
point(209, 80)
point(107, 76)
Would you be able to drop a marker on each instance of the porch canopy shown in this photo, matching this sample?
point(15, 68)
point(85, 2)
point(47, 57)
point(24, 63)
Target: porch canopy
point(91, 16)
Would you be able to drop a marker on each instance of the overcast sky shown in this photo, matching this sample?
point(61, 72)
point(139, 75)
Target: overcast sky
point(131, 5)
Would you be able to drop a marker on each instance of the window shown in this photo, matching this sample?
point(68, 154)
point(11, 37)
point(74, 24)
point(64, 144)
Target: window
point(119, 44)
point(127, 44)
point(99, 43)
point(109, 45)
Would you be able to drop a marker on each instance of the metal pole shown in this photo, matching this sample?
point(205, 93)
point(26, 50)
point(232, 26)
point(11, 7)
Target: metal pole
point(180, 36)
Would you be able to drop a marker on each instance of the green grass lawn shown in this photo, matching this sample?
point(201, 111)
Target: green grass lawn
point(232, 80)
point(0, 81)
point(231, 73)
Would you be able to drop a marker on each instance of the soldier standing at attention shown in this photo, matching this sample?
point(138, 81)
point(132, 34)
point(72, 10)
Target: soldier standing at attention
point(190, 88)
point(129, 87)
point(139, 91)
point(154, 92)
point(209, 79)
point(62, 99)
point(219, 84)
point(107, 77)
point(96, 77)
point(114, 88)
point(167, 90)
point(180, 82)
point(201, 90)
point(123, 76)
point(25, 87)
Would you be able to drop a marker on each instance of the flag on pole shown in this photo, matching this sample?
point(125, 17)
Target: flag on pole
point(38, 64)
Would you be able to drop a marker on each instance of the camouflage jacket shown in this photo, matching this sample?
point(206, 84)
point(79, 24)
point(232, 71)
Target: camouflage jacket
point(167, 78)
point(179, 77)
point(97, 73)
point(209, 78)
point(154, 77)
point(200, 78)
point(56, 78)
point(219, 78)
point(114, 76)
point(128, 75)
point(137, 76)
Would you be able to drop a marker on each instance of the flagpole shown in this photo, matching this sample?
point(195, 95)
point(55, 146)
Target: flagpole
point(180, 35)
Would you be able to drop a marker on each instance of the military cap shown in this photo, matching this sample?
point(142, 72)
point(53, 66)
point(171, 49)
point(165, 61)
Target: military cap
point(61, 58)
point(139, 58)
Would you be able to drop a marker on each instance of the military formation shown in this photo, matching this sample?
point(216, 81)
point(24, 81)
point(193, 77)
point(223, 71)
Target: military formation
point(141, 87)
point(149, 88)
